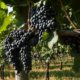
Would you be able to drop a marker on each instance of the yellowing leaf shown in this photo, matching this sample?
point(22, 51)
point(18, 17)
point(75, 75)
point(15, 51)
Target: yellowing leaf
point(6, 22)
point(52, 39)
point(3, 5)
point(2, 14)
point(45, 35)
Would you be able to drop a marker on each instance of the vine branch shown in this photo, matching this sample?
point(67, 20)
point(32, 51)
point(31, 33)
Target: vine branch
point(28, 1)
point(25, 26)
point(52, 4)
point(67, 14)
point(63, 32)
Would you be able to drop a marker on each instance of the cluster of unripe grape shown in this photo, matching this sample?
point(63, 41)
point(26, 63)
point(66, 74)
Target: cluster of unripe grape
point(18, 47)
point(43, 19)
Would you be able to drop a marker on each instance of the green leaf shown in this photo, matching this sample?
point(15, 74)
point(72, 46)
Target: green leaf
point(3, 5)
point(47, 60)
point(44, 2)
point(73, 53)
point(2, 16)
point(18, 21)
point(37, 4)
point(23, 4)
point(76, 66)
point(6, 22)
point(70, 14)
point(60, 40)
point(52, 39)
point(45, 35)
point(2, 61)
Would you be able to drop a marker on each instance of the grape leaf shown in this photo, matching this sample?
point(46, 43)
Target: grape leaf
point(37, 4)
point(3, 6)
point(73, 53)
point(48, 59)
point(76, 66)
point(23, 4)
point(44, 2)
point(6, 22)
point(52, 39)
point(45, 35)
point(60, 40)
point(19, 20)
point(2, 16)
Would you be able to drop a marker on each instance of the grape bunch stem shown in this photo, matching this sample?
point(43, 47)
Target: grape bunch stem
point(28, 1)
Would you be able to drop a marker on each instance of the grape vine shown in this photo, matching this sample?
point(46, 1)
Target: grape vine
point(43, 21)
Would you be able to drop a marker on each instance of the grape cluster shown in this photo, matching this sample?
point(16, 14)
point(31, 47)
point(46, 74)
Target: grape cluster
point(43, 19)
point(17, 47)
point(26, 57)
point(12, 51)
point(29, 40)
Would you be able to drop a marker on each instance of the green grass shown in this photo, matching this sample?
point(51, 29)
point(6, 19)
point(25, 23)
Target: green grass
point(57, 63)
point(65, 73)
point(7, 74)
point(59, 75)
point(56, 67)
point(68, 62)
point(64, 62)
point(11, 67)
point(67, 66)
point(35, 74)
point(53, 67)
